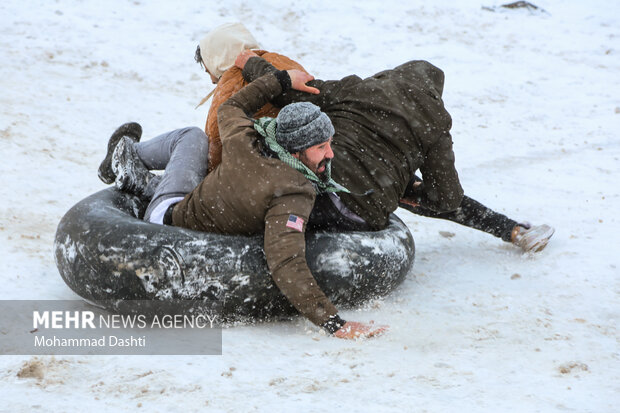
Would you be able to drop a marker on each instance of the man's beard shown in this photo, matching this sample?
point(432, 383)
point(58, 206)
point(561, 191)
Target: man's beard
point(323, 176)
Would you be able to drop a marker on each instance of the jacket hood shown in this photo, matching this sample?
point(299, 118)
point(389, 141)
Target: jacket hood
point(222, 45)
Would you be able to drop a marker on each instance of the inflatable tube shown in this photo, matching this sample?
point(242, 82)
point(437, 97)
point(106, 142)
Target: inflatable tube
point(106, 255)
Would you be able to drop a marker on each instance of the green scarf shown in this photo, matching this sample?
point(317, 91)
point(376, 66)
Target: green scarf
point(267, 128)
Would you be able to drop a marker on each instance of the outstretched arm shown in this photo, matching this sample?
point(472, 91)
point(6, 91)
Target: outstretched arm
point(285, 249)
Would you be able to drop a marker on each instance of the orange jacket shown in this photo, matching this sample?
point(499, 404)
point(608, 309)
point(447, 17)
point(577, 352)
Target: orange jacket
point(229, 84)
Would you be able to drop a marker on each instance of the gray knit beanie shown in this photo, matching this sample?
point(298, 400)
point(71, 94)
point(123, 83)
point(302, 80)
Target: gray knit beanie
point(302, 125)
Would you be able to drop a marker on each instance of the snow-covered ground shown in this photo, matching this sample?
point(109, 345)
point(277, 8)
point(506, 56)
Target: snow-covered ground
point(476, 326)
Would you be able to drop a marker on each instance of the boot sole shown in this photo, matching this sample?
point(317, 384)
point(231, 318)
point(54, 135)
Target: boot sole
point(133, 131)
point(543, 240)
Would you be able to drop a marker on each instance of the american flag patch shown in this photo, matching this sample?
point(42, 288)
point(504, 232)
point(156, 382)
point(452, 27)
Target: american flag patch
point(295, 223)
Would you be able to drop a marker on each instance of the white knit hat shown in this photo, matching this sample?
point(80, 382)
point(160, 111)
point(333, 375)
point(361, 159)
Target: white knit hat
point(222, 45)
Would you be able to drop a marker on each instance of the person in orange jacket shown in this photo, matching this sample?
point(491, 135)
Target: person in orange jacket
point(229, 39)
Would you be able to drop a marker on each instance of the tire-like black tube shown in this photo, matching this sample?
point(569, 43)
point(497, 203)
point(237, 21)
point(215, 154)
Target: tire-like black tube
point(106, 255)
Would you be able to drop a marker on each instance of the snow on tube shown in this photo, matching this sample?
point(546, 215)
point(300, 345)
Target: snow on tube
point(107, 255)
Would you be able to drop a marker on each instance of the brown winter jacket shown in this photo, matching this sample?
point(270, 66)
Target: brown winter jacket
point(387, 126)
point(230, 83)
point(249, 193)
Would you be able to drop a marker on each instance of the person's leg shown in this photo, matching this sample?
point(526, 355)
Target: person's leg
point(473, 214)
point(470, 213)
point(183, 154)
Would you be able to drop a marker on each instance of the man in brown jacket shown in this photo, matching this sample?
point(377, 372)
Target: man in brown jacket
point(267, 182)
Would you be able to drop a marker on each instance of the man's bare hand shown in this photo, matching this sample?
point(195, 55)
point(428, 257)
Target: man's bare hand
point(352, 330)
point(299, 79)
point(243, 58)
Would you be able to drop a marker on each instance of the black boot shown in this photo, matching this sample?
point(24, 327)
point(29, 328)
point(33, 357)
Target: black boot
point(131, 174)
point(132, 130)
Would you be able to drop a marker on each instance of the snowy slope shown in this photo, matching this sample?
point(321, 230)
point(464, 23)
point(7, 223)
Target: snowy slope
point(535, 100)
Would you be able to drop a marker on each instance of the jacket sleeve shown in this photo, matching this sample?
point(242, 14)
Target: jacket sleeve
point(441, 190)
point(244, 104)
point(285, 249)
point(257, 67)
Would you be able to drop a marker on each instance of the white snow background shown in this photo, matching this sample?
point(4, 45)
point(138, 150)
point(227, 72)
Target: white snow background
point(476, 327)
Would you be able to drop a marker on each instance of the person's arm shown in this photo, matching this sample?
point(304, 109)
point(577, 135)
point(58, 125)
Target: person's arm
point(441, 189)
point(299, 78)
point(248, 100)
point(255, 67)
point(285, 250)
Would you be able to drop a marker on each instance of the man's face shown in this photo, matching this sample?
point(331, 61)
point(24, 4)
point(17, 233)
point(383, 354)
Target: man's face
point(316, 157)
point(213, 78)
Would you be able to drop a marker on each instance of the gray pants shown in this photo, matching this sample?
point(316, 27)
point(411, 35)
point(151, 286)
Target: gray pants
point(183, 155)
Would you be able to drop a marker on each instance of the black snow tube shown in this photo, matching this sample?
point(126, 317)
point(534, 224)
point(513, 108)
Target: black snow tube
point(107, 255)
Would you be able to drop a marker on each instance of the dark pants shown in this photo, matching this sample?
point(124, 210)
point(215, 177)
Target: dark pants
point(470, 213)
